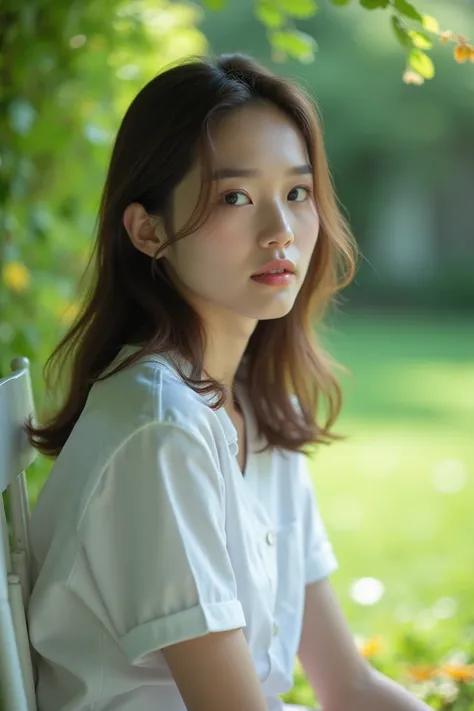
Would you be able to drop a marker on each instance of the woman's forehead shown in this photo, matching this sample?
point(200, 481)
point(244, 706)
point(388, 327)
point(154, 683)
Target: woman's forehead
point(253, 124)
point(255, 142)
point(250, 142)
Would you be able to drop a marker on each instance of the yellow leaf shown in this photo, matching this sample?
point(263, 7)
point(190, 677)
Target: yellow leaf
point(420, 40)
point(16, 276)
point(431, 24)
point(421, 63)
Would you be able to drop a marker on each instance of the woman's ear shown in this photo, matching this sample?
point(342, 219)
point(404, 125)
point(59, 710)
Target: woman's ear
point(146, 231)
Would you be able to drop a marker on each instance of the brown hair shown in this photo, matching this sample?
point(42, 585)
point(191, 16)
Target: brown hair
point(132, 299)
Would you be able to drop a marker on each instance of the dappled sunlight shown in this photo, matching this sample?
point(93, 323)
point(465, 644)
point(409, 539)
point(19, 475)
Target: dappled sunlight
point(367, 591)
point(450, 476)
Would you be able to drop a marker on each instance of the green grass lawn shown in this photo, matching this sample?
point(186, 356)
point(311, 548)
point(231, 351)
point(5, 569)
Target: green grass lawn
point(398, 495)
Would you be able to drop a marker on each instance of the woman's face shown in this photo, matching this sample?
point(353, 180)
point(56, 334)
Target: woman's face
point(269, 214)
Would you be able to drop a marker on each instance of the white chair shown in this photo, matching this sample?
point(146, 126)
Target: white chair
point(17, 685)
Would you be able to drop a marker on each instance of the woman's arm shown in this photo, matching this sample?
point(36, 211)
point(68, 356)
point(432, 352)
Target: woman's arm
point(384, 694)
point(337, 672)
point(216, 673)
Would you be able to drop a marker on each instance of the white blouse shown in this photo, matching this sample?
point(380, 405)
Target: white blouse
point(146, 534)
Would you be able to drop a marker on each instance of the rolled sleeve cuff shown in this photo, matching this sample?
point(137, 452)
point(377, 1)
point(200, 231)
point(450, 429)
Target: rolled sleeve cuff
point(181, 626)
point(321, 563)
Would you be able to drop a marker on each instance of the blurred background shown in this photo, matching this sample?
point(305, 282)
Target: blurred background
point(398, 494)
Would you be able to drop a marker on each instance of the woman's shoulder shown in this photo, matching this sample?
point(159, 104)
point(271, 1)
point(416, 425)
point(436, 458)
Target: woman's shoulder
point(148, 391)
point(145, 388)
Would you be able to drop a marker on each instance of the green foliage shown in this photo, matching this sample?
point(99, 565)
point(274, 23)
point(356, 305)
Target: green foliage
point(215, 5)
point(278, 17)
point(374, 4)
point(295, 44)
point(401, 32)
point(286, 40)
point(302, 9)
point(68, 72)
point(410, 39)
point(406, 8)
point(269, 15)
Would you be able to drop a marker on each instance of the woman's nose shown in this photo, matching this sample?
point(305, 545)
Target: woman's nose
point(277, 229)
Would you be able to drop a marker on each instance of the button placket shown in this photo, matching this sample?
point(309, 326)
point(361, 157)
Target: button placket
point(267, 551)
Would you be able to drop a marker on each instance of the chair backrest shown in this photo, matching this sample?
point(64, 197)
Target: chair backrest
point(17, 687)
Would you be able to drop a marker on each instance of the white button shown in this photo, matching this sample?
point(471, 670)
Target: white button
point(270, 538)
point(276, 629)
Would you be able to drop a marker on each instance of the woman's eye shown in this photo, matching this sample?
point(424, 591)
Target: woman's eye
point(304, 191)
point(233, 198)
point(238, 198)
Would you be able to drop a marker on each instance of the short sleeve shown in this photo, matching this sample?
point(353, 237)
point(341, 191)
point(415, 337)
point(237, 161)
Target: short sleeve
point(320, 560)
point(153, 534)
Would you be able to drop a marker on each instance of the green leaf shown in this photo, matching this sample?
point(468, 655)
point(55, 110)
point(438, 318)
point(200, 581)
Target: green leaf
point(302, 9)
point(421, 63)
point(296, 44)
point(407, 9)
point(214, 4)
point(340, 2)
point(401, 33)
point(420, 39)
point(373, 4)
point(431, 24)
point(269, 15)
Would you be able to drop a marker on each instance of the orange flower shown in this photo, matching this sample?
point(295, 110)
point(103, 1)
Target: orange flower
point(422, 672)
point(462, 53)
point(459, 672)
point(472, 54)
point(371, 646)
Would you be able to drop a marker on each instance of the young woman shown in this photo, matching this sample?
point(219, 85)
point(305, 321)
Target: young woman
point(180, 558)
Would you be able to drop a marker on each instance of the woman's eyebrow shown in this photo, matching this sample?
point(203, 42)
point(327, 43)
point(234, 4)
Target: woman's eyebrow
point(223, 173)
